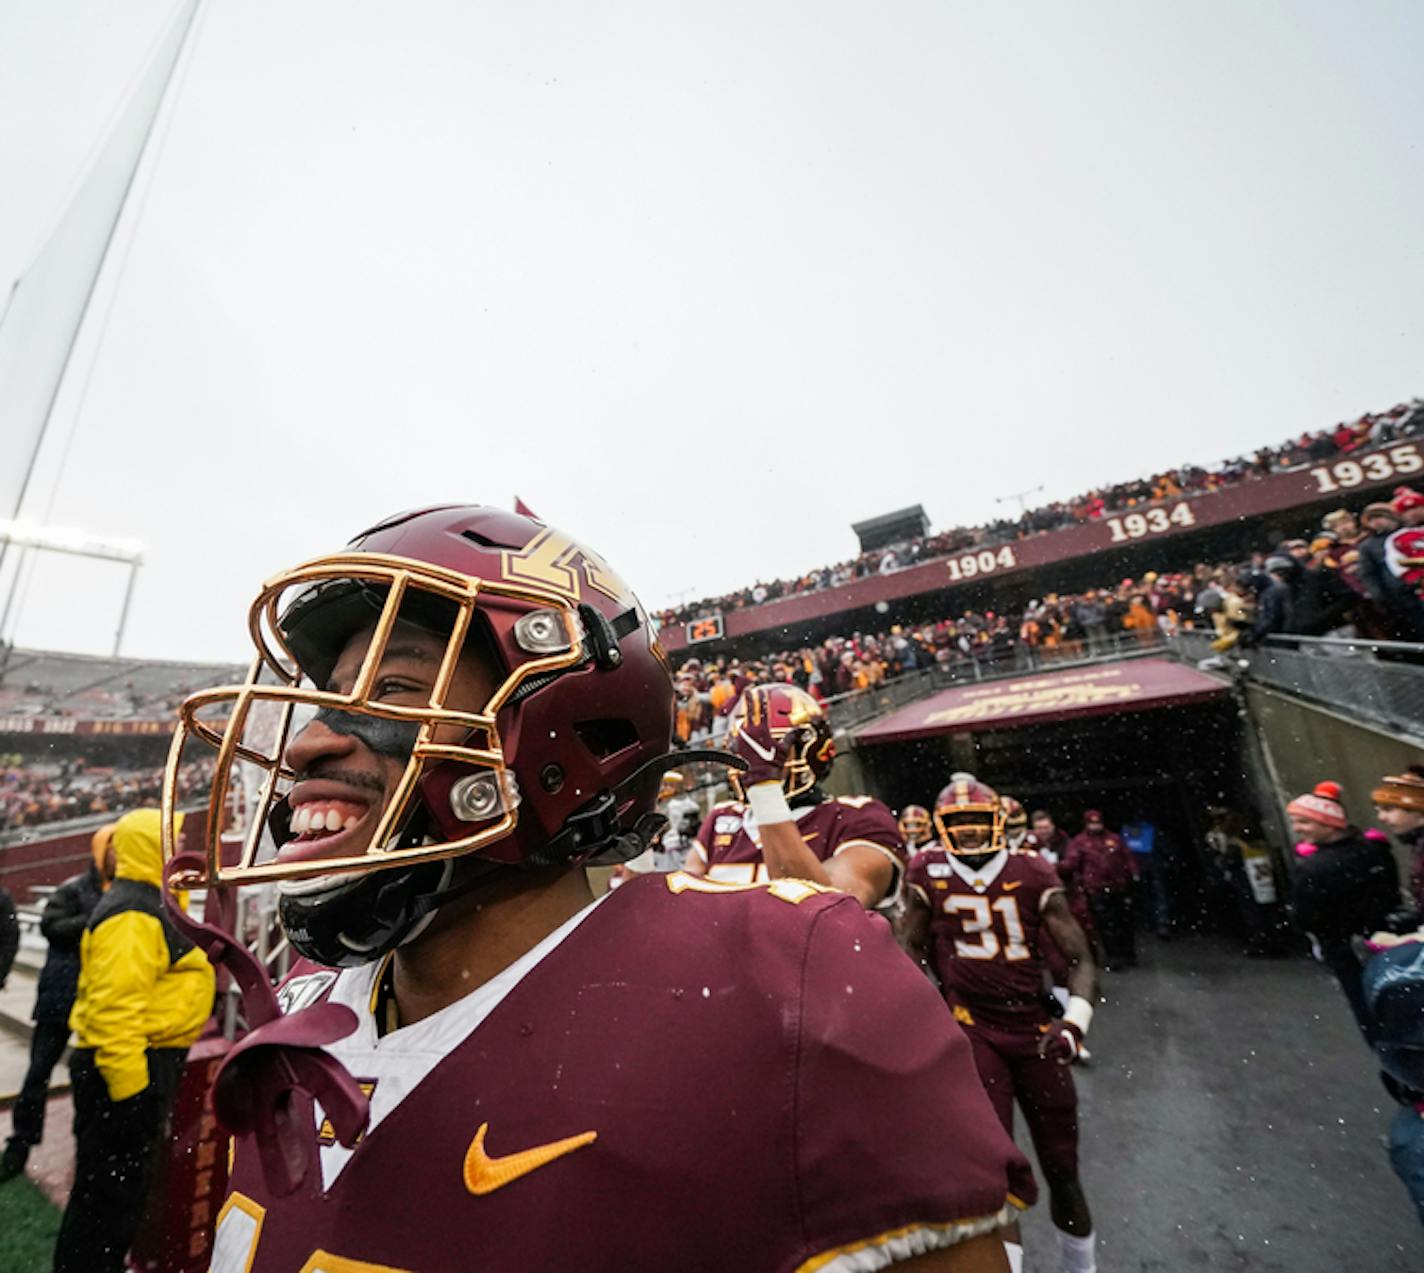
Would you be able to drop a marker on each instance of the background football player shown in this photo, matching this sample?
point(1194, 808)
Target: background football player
point(447, 720)
point(916, 829)
point(786, 826)
point(1015, 823)
point(976, 913)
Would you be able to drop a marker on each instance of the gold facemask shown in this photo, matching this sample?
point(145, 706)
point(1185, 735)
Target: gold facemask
point(989, 818)
point(260, 714)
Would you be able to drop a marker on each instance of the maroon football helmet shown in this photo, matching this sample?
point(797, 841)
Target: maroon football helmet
point(915, 825)
point(559, 763)
point(1015, 822)
point(781, 731)
point(969, 817)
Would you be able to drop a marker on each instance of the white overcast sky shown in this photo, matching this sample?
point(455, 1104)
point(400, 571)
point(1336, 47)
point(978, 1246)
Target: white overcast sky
point(703, 283)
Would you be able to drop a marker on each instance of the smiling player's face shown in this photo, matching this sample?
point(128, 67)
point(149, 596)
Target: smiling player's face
point(346, 775)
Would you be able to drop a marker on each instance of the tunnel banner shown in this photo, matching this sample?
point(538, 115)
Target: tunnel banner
point(1131, 686)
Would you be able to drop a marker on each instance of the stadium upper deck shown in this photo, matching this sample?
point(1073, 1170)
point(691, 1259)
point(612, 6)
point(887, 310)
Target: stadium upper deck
point(1219, 520)
point(45, 693)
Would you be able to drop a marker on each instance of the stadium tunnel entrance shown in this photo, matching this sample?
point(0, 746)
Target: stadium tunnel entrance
point(1168, 761)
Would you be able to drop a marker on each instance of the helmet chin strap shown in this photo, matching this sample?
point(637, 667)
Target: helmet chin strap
point(424, 905)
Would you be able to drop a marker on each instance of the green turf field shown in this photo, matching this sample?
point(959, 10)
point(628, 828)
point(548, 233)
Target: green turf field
point(28, 1223)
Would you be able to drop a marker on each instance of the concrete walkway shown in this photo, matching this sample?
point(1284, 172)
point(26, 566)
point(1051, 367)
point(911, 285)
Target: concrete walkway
point(1232, 1119)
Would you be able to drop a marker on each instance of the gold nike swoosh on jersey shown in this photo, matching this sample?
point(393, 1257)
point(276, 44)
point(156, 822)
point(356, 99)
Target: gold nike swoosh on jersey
point(484, 1174)
point(1014, 885)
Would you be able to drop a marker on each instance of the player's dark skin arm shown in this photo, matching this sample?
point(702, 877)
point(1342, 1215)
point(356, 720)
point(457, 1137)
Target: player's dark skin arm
point(914, 934)
point(1069, 937)
point(863, 872)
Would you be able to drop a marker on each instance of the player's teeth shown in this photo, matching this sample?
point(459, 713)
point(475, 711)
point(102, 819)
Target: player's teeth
point(333, 820)
point(301, 820)
point(350, 822)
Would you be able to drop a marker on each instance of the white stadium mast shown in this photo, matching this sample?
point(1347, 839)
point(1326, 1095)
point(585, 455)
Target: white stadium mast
point(47, 307)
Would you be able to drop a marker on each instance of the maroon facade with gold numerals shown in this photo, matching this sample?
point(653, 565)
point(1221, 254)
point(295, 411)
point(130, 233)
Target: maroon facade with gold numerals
point(766, 1076)
point(1309, 488)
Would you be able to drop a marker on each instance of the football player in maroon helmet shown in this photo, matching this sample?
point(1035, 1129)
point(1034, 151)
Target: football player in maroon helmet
point(783, 825)
point(978, 914)
point(1015, 823)
point(915, 826)
point(443, 723)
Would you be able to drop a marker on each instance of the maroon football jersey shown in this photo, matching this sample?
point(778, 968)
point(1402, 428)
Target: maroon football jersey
point(987, 934)
point(769, 1043)
point(730, 845)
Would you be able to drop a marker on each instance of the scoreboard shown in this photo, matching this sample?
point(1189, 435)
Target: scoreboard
point(708, 628)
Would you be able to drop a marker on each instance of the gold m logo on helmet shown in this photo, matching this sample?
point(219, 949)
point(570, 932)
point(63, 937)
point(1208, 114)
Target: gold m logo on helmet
point(552, 560)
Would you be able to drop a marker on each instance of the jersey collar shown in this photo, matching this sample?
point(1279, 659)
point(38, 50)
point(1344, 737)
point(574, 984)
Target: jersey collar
point(985, 875)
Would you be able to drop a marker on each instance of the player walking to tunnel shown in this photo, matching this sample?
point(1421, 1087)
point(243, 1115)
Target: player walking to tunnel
point(915, 826)
point(977, 914)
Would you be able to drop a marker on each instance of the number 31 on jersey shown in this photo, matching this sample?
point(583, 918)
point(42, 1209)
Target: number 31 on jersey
point(977, 915)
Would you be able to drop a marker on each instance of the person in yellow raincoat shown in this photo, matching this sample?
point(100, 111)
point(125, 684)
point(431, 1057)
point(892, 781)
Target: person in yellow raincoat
point(144, 994)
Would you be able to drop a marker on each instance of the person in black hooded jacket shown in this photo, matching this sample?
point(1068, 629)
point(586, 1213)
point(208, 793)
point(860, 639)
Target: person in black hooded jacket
point(65, 916)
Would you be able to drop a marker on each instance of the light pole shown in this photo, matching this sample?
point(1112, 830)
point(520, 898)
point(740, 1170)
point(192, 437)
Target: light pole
point(1021, 496)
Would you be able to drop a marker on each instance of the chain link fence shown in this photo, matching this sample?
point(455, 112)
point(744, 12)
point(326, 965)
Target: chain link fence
point(1377, 681)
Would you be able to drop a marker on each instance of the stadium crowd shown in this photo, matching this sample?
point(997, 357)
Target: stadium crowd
point(36, 794)
point(1401, 421)
point(1356, 577)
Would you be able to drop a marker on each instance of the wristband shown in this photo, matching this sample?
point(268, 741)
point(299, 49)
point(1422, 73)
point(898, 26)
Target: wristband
point(768, 802)
point(1079, 1012)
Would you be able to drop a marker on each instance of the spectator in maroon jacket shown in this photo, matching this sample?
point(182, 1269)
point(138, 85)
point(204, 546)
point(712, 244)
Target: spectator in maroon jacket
point(1099, 863)
point(1050, 842)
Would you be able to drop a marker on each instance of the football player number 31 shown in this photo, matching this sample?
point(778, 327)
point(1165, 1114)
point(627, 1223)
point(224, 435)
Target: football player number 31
point(981, 939)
